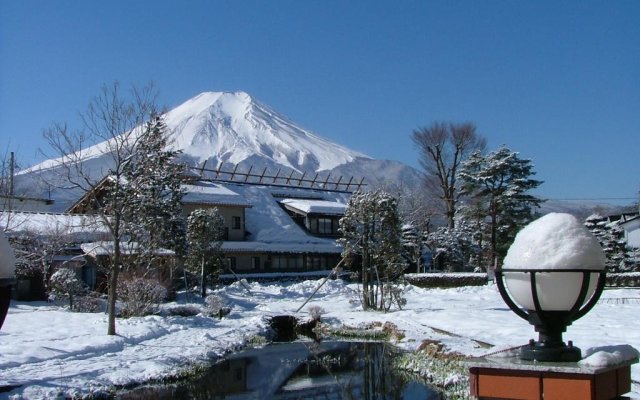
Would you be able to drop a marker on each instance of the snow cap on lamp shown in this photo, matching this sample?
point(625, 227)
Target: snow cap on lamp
point(555, 241)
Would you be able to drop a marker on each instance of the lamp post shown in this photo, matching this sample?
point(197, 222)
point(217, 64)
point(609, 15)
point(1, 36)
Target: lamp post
point(550, 300)
point(553, 274)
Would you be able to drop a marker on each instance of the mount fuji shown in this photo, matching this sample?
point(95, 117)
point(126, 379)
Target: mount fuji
point(227, 130)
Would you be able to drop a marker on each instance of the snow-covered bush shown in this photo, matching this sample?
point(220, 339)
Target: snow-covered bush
point(184, 310)
point(215, 306)
point(316, 312)
point(64, 283)
point(88, 304)
point(140, 296)
point(214, 303)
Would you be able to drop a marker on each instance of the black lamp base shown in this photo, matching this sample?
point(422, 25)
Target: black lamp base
point(537, 351)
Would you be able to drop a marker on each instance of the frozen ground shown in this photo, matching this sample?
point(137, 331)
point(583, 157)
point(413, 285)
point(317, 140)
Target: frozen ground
point(45, 349)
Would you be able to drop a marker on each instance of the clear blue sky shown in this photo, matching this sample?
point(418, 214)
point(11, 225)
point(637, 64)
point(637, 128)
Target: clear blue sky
point(557, 81)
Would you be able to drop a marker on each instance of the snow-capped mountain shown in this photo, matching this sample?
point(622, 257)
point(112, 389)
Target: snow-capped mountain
point(224, 129)
point(234, 127)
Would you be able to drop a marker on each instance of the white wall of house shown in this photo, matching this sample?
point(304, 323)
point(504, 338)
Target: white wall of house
point(234, 218)
point(632, 233)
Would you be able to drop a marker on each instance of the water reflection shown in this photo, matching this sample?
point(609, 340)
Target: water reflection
point(300, 370)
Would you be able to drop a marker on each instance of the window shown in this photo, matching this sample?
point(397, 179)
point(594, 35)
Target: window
point(325, 226)
point(231, 262)
point(255, 262)
point(236, 223)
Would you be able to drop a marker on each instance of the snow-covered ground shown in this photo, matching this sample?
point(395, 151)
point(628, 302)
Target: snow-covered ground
point(45, 349)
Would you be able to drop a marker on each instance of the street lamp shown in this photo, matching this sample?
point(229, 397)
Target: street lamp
point(553, 275)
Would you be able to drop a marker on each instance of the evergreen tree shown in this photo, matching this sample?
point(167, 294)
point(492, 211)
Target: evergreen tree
point(620, 257)
point(498, 185)
point(153, 179)
point(204, 240)
point(454, 250)
point(371, 232)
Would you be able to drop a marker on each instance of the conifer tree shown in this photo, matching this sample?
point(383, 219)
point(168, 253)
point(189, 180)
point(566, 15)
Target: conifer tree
point(154, 180)
point(498, 186)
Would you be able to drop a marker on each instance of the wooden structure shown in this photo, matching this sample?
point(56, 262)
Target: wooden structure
point(285, 179)
point(512, 378)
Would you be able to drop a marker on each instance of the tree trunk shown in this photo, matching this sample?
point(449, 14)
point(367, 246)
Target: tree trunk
point(113, 283)
point(365, 268)
point(494, 227)
point(203, 287)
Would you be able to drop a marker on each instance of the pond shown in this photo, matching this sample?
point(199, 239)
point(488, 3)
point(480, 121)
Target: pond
point(300, 370)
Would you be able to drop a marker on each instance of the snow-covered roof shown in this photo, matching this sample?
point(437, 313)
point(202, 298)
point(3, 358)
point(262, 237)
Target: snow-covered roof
point(105, 248)
point(314, 206)
point(262, 247)
point(51, 224)
point(212, 193)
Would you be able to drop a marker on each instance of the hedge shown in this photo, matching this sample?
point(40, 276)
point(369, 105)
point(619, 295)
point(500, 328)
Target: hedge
point(447, 280)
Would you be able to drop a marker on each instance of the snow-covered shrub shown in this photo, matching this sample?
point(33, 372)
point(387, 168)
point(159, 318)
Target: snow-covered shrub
point(215, 306)
point(316, 312)
point(88, 304)
point(214, 303)
point(140, 296)
point(64, 283)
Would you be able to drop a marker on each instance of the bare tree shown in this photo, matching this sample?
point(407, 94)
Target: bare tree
point(442, 147)
point(115, 121)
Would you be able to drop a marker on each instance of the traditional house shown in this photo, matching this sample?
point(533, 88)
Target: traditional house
point(268, 228)
point(274, 226)
point(284, 230)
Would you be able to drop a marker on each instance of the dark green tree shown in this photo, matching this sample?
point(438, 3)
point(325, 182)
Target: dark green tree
point(498, 186)
point(153, 178)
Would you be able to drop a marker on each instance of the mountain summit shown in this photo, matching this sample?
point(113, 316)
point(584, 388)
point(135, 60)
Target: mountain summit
point(224, 127)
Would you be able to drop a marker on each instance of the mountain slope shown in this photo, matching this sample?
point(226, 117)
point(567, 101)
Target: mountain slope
point(233, 129)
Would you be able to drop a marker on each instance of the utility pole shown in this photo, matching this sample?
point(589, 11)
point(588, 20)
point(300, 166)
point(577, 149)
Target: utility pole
point(12, 171)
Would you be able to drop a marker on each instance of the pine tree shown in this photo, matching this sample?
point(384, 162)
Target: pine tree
point(620, 257)
point(498, 186)
point(204, 240)
point(153, 178)
point(371, 232)
point(454, 250)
